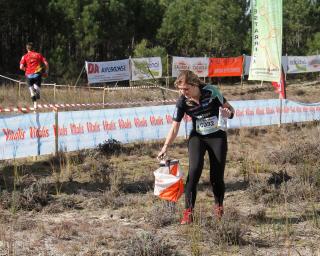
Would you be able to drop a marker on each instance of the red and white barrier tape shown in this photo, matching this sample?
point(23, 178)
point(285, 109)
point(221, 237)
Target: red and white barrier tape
point(72, 105)
point(131, 87)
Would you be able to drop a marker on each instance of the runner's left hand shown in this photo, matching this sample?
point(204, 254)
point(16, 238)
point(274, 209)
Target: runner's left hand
point(226, 113)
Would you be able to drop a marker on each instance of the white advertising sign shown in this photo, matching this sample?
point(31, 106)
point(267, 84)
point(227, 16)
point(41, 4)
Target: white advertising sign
point(199, 65)
point(109, 71)
point(146, 68)
point(303, 64)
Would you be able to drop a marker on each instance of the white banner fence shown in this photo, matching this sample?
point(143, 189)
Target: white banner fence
point(37, 134)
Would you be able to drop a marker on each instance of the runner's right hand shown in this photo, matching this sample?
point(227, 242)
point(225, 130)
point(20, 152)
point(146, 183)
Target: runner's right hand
point(163, 152)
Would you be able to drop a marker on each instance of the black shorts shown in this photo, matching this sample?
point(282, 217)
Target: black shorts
point(32, 81)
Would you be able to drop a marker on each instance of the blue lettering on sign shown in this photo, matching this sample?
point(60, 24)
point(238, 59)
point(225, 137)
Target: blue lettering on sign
point(153, 65)
point(113, 69)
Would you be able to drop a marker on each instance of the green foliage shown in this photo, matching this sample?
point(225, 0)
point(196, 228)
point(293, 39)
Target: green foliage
point(223, 28)
point(299, 23)
point(69, 32)
point(205, 27)
point(313, 44)
point(143, 50)
point(178, 31)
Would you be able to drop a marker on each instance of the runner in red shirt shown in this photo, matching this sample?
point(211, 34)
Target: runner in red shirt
point(34, 65)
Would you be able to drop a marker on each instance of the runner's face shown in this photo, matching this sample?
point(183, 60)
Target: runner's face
point(185, 89)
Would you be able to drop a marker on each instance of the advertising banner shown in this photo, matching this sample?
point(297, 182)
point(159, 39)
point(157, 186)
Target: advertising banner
point(146, 68)
point(35, 134)
point(253, 113)
point(86, 129)
point(303, 64)
point(247, 62)
point(26, 135)
point(198, 65)
point(284, 63)
point(109, 71)
point(220, 67)
point(266, 40)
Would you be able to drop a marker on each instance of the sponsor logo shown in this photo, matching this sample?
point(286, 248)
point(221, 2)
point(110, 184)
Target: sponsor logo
point(113, 69)
point(181, 65)
point(93, 68)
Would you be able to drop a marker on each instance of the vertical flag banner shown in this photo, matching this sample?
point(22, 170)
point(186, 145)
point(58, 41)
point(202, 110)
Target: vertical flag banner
point(266, 40)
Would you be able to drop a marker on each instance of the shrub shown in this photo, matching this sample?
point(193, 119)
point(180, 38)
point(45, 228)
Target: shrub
point(110, 147)
point(229, 230)
point(162, 215)
point(147, 244)
point(33, 197)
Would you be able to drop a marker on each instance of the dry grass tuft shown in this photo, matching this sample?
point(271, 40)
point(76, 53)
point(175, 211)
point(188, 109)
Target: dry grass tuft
point(147, 244)
point(294, 190)
point(259, 215)
point(64, 230)
point(295, 151)
point(230, 230)
point(34, 197)
point(162, 214)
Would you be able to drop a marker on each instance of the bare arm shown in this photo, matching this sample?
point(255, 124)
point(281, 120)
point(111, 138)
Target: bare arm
point(46, 64)
point(172, 134)
point(22, 67)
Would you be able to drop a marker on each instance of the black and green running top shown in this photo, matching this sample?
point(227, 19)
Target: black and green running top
point(205, 114)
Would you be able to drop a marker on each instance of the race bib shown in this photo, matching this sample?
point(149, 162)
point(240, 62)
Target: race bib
point(207, 125)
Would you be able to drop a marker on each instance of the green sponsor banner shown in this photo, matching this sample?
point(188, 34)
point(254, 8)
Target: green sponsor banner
point(266, 40)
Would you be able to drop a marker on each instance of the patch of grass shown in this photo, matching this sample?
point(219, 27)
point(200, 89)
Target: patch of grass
point(296, 151)
point(147, 244)
point(64, 230)
point(34, 197)
point(162, 214)
point(230, 230)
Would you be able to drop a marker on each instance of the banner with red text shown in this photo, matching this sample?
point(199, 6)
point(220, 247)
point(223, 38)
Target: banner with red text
point(220, 67)
point(34, 134)
point(109, 71)
point(196, 64)
point(86, 129)
point(253, 113)
point(26, 135)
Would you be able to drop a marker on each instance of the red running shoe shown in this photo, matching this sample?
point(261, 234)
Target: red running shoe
point(187, 217)
point(218, 211)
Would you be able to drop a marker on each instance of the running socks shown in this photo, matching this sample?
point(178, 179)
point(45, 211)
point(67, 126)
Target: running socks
point(34, 92)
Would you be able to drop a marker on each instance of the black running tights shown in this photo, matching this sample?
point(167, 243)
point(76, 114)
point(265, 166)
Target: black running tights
point(217, 150)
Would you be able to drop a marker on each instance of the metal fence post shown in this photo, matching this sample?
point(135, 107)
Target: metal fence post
point(56, 138)
point(54, 92)
point(103, 97)
point(19, 89)
point(280, 114)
